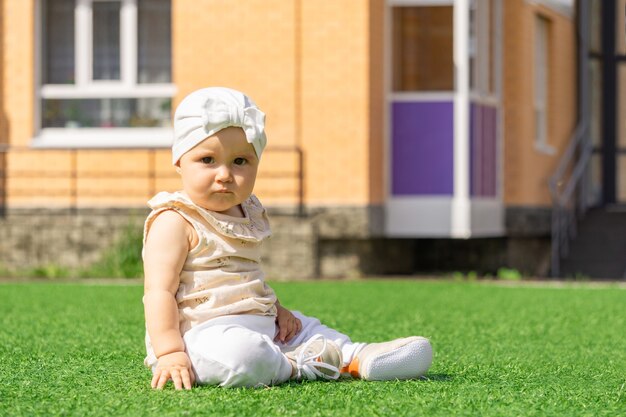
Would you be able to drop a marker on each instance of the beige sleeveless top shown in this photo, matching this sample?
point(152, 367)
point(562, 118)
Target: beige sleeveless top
point(222, 274)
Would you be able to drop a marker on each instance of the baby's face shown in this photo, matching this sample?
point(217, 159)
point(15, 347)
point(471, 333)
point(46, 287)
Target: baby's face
point(219, 173)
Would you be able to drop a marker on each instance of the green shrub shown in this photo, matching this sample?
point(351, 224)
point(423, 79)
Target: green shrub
point(122, 260)
point(509, 274)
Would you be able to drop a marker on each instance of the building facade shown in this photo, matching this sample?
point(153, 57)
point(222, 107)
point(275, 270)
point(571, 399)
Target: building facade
point(401, 132)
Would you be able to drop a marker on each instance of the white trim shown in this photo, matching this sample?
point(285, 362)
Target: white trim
point(107, 90)
point(428, 216)
point(490, 100)
point(402, 3)
point(484, 50)
point(128, 39)
point(497, 59)
point(83, 38)
point(480, 48)
point(459, 215)
point(545, 149)
point(431, 217)
point(86, 88)
point(487, 217)
point(541, 79)
point(498, 62)
point(38, 65)
point(460, 224)
point(83, 42)
point(564, 7)
point(137, 137)
point(413, 96)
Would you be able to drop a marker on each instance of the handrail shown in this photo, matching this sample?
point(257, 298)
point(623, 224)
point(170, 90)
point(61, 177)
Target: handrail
point(579, 170)
point(565, 213)
point(568, 205)
point(72, 195)
point(567, 156)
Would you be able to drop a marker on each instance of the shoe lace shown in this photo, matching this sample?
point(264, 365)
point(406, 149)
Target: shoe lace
point(309, 365)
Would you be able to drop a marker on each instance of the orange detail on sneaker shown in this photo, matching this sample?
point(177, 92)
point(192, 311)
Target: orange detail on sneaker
point(352, 368)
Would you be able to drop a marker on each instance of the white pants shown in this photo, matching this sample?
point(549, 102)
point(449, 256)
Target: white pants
point(240, 351)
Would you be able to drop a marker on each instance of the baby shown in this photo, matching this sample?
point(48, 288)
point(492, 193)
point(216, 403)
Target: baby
point(210, 316)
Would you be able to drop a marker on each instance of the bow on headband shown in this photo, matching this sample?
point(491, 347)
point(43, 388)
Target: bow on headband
point(219, 115)
point(207, 111)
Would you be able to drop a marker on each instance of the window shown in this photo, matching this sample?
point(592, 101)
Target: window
point(422, 48)
point(105, 67)
point(542, 53)
point(482, 46)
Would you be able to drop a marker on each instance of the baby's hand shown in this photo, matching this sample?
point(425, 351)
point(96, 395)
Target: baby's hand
point(175, 366)
point(288, 324)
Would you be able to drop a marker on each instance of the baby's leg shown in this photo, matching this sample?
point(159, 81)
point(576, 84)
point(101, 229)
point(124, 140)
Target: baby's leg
point(404, 358)
point(237, 351)
point(312, 326)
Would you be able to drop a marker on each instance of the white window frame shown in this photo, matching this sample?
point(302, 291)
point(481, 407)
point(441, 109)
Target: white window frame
point(87, 88)
point(486, 57)
point(541, 84)
point(479, 48)
point(407, 3)
point(565, 7)
point(443, 95)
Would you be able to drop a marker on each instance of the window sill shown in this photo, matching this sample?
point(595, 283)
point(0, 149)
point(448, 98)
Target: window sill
point(545, 149)
point(564, 8)
point(102, 89)
point(103, 138)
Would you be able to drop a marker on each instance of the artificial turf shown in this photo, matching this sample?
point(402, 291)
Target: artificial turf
point(77, 350)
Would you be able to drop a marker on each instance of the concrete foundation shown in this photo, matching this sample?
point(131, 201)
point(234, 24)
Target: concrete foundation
point(324, 243)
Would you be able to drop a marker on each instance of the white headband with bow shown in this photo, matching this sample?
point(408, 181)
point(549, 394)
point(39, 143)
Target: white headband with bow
point(209, 110)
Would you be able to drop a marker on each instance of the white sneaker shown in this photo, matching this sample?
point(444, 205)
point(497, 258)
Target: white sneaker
point(405, 358)
point(317, 358)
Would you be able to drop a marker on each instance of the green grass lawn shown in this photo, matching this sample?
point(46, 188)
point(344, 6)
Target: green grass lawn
point(73, 349)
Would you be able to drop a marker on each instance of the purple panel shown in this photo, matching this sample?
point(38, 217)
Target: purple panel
point(483, 162)
point(422, 148)
point(489, 151)
point(474, 150)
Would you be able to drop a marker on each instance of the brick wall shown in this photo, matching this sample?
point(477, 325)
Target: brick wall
point(307, 64)
point(527, 169)
point(313, 67)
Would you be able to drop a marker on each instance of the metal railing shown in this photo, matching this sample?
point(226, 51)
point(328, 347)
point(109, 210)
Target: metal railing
point(569, 186)
point(568, 191)
point(70, 184)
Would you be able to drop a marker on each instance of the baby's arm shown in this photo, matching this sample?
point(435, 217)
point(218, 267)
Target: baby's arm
point(165, 251)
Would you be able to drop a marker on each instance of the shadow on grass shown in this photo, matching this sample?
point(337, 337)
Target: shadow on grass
point(300, 384)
